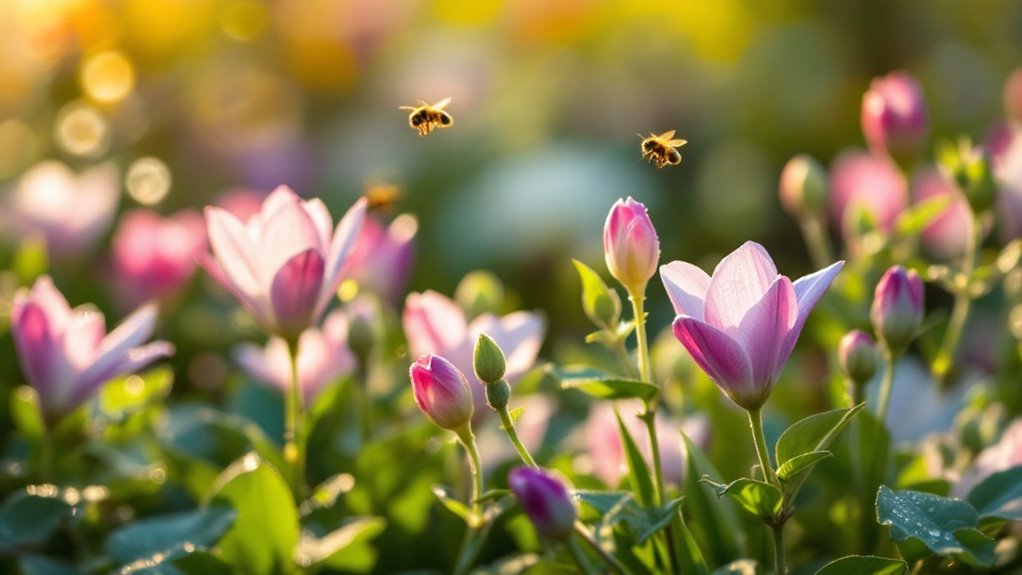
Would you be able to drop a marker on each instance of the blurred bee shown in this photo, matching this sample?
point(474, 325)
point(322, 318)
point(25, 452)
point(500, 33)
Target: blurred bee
point(382, 197)
point(425, 118)
point(661, 149)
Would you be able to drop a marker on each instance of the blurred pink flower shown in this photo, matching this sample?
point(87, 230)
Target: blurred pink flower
point(1003, 455)
point(435, 324)
point(243, 203)
point(863, 181)
point(947, 235)
point(153, 256)
point(1006, 158)
point(894, 118)
point(70, 211)
point(323, 358)
point(284, 264)
point(382, 257)
point(1012, 95)
point(66, 355)
point(603, 441)
point(741, 324)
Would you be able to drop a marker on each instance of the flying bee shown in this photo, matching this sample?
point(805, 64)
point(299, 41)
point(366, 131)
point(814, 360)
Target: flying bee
point(424, 118)
point(382, 197)
point(661, 149)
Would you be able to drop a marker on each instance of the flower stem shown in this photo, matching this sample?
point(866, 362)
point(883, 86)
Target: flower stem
point(623, 358)
point(611, 561)
point(579, 557)
point(778, 536)
point(815, 236)
point(638, 298)
point(759, 440)
point(468, 440)
point(294, 422)
point(885, 386)
point(508, 425)
point(960, 311)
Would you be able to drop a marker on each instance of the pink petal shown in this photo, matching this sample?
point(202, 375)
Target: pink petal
point(83, 337)
point(294, 291)
point(519, 335)
point(721, 357)
point(234, 252)
point(255, 361)
point(321, 218)
point(345, 237)
point(808, 290)
point(115, 347)
point(256, 305)
point(290, 231)
point(130, 362)
point(686, 287)
point(38, 348)
point(280, 197)
point(738, 283)
point(763, 331)
point(433, 324)
point(55, 306)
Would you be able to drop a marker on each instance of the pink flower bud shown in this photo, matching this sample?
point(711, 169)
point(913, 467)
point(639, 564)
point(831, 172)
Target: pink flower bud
point(894, 118)
point(803, 186)
point(863, 182)
point(630, 244)
point(897, 310)
point(442, 392)
point(857, 355)
point(545, 500)
point(154, 257)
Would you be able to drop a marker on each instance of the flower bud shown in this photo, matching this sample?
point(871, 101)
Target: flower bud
point(803, 187)
point(442, 392)
point(498, 394)
point(630, 244)
point(857, 355)
point(897, 310)
point(545, 500)
point(894, 118)
point(488, 360)
point(480, 292)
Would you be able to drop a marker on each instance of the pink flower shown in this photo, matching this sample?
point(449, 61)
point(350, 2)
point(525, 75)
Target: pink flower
point(860, 181)
point(70, 211)
point(284, 264)
point(1006, 156)
point(435, 324)
point(894, 118)
point(154, 257)
point(441, 392)
point(323, 358)
point(741, 324)
point(630, 244)
point(382, 257)
point(243, 203)
point(948, 233)
point(897, 310)
point(1001, 456)
point(66, 355)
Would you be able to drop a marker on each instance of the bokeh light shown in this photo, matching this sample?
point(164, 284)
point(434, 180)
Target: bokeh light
point(108, 77)
point(148, 181)
point(82, 131)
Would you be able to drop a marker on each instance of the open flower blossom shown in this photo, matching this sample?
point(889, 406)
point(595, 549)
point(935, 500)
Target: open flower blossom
point(630, 244)
point(861, 181)
point(894, 118)
point(154, 256)
point(284, 264)
point(441, 392)
point(741, 324)
point(435, 324)
point(323, 357)
point(71, 211)
point(382, 257)
point(66, 354)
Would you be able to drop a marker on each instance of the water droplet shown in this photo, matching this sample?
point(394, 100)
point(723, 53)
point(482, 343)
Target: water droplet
point(933, 532)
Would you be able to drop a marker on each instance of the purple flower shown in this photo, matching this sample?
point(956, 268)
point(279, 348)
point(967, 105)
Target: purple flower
point(382, 257)
point(897, 310)
point(630, 244)
point(741, 324)
point(441, 392)
point(894, 118)
point(545, 500)
point(66, 354)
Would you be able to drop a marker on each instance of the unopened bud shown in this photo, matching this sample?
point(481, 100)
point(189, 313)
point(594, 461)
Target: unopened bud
point(897, 310)
point(630, 244)
point(803, 187)
point(498, 394)
point(857, 355)
point(488, 360)
point(441, 392)
point(545, 500)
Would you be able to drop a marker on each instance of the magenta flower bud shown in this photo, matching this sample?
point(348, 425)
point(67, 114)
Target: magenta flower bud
point(154, 256)
point(1013, 96)
point(857, 355)
point(545, 500)
point(630, 244)
point(894, 118)
point(442, 392)
point(803, 186)
point(897, 310)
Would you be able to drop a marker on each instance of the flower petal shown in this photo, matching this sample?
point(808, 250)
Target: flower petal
point(686, 287)
point(234, 251)
point(290, 231)
point(39, 350)
point(130, 362)
point(256, 362)
point(433, 324)
point(254, 303)
point(720, 356)
point(738, 283)
point(345, 237)
point(115, 347)
point(295, 290)
point(808, 290)
point(323, 221)
point(764, 329)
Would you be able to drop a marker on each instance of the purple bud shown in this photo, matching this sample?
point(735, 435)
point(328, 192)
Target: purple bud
point(442, 392)
point(857, 355)
point(894, 118)
point(545, 499)
point(630, 244)
point(897, 310)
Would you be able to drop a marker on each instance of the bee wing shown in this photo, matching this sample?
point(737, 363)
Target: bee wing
point(666, 135)
point(442, 104)
point(407, 108)
point(677, 143)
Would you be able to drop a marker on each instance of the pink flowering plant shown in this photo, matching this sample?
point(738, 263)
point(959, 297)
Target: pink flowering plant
point(224, 350)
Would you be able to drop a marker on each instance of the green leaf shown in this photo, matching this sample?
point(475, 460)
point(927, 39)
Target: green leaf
point(600, 304)
point(604, 385)
point(264, 536)
point(31, 259)
point(26, 413)
point(29, 516)
point(759, 498)
point(515, 414)
point(646, 522)
point(740, 567)
point(638, 471)
point(202, 563)
point(915, 218)
point(864, 565)
point(200, 528)
point(346, 548)
point(602, 501)
point(39, 565)
point(944, 525)
point(325, 494)
point(493, 495)
point(452, 504)
point(799, 466)
point(719, 529)
point(999, 496)
point(133, 393)
point(813, 433)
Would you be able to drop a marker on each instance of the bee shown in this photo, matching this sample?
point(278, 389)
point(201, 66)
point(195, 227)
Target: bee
point(661, 149)
point(424, 118)
point(382, 197)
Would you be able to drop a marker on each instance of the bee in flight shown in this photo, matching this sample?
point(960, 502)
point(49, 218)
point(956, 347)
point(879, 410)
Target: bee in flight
point(382, 197)
point(661, 149)
point(425, 118)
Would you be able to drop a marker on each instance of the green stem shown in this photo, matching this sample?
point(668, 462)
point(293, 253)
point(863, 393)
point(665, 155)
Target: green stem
point(815, 236)
point(960, 311)
point(611, 561)
point(579, 557)
point(294, 421)
point(885, 386)
point(637, 299)
point(778, 537)
point(509, 428)
point(759, 439)
point(365, 403)
point(624, 359)
point(468, 440)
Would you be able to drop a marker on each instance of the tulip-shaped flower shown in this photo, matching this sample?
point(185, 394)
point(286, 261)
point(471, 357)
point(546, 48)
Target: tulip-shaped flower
point(284, 264)
point(382, 257)
point(323, 357)
point(741, 324)
point(154, 257)
point(442, 392)
point(897, 310)
point(630, 245)
point(857, 355)
point(66, 354)
point(545, 500)
point(894, 118)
